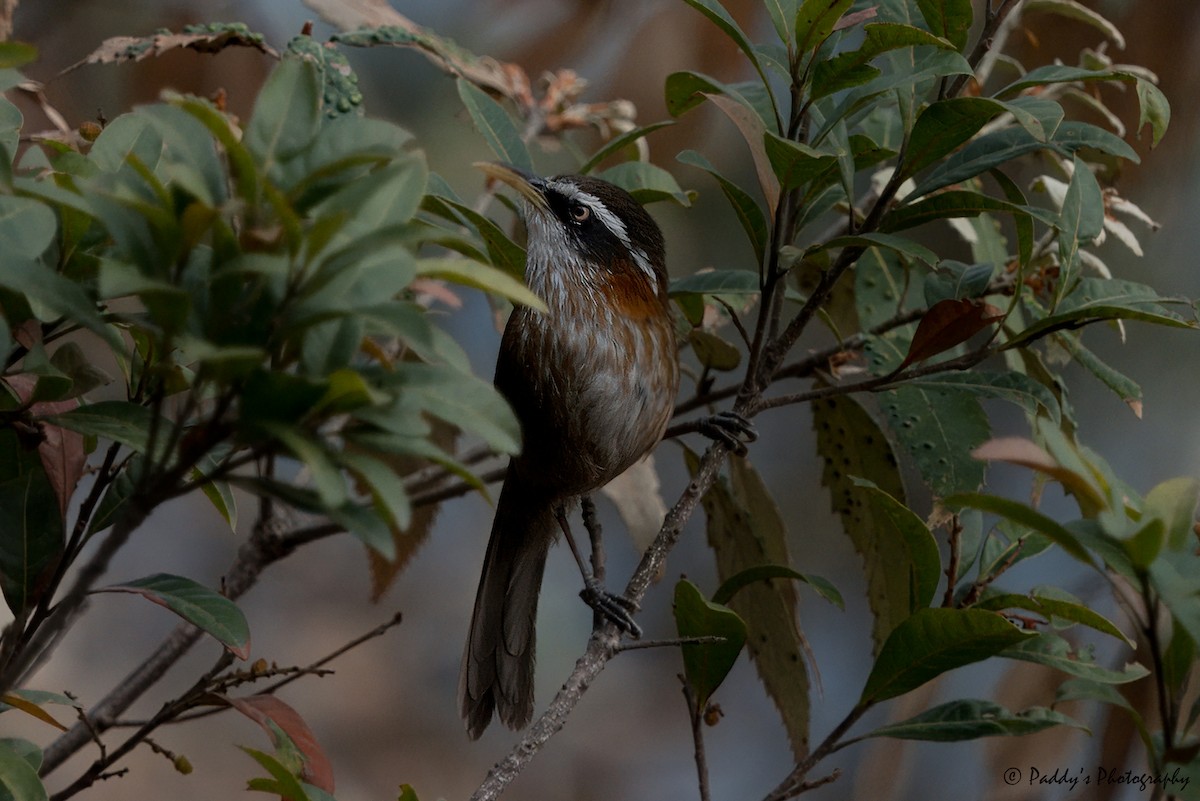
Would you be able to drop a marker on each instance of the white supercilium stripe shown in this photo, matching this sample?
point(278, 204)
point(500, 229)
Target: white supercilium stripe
point(612, 222)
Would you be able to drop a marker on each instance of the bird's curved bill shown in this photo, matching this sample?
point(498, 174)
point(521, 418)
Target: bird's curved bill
point(527, 184)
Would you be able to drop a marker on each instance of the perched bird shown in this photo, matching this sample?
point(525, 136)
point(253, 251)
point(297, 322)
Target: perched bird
point(593, 382)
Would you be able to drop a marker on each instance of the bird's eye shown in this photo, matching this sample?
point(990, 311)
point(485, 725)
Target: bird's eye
point(580, 212)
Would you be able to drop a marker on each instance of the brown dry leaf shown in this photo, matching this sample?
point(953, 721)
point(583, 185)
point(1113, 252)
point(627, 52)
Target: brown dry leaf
point(30, 708)
point(484, 72)
point(638, 497)
point(7, 9)
point(745, 529)
point(135, 48)
point(949, 323)
point(61, 451)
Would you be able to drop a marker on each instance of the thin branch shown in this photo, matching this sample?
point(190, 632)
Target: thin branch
point(672, 642)
point(602, 645)
point(992, 21)
point(878, 383)
point(795, 783)
point(697, 719)
point(169, 710)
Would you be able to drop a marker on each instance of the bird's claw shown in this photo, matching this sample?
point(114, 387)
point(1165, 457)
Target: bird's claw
point(731, 430)
point(617, 609)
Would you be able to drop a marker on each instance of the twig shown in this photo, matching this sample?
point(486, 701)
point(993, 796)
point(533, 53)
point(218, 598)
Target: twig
point(697, 718)
point(602, 645)
point(795, 783)
point(952, 561)
point(672, 642)
point(878, 383)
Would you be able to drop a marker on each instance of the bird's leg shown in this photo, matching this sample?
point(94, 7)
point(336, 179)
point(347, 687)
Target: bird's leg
point(730, 429)
point(614, 608)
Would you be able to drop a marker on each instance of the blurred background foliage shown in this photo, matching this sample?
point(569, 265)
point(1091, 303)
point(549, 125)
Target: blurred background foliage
point(388, 715)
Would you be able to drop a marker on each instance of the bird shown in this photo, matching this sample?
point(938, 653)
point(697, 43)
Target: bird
point(592, 381)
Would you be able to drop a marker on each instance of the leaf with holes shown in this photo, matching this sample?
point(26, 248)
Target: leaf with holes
point(852, 445)
point(198, 605)
point(746, 530)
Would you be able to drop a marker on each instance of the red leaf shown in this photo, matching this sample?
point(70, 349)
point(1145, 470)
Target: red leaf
point(60, 450)
point(949, 323)
point(267, 709)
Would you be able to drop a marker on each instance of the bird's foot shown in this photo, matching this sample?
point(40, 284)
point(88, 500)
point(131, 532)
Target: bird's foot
point(617, 609)
point(730, 429)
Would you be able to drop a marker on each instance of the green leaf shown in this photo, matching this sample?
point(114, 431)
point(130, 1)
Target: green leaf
point(323, 470)
point(716, 282)
point(204, 608)
point(899, 522)
point(27, 227)
point(619, 143)
point(954, 203)
point(765, 573)
point(851, 69)
point(949, 19)
point(117, 421)
point(504, 254)
point(1153, 109)
point(283, 781)
point(782, 13)
point(646, 182)
point(943, 126)
point(1095, 299)
point(953, 280)
point(716, 13)
point(1059, 73)
point(1176, 578)
point(458, 398)
point(1025, 516)
point(815, 20)
point(795, 164)
point(287, 114)
point(1174, 502)
point(387, 489)
point(1050, 606)
point(706, 664)
point(933, 641)
point(1000, 147)
point(32, 529)
point(1017, 388)
point(939, 428)
point(496, 126)
point(129, 135)
point(899, 244)
point(749, 213)
point(481, 276)
point(971, 719)
point(1053, 651)
point(1070, 9)
point(1080, 222)
point(58, 295)
point(16, 54)
point(24, 749)
point(18, 779)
